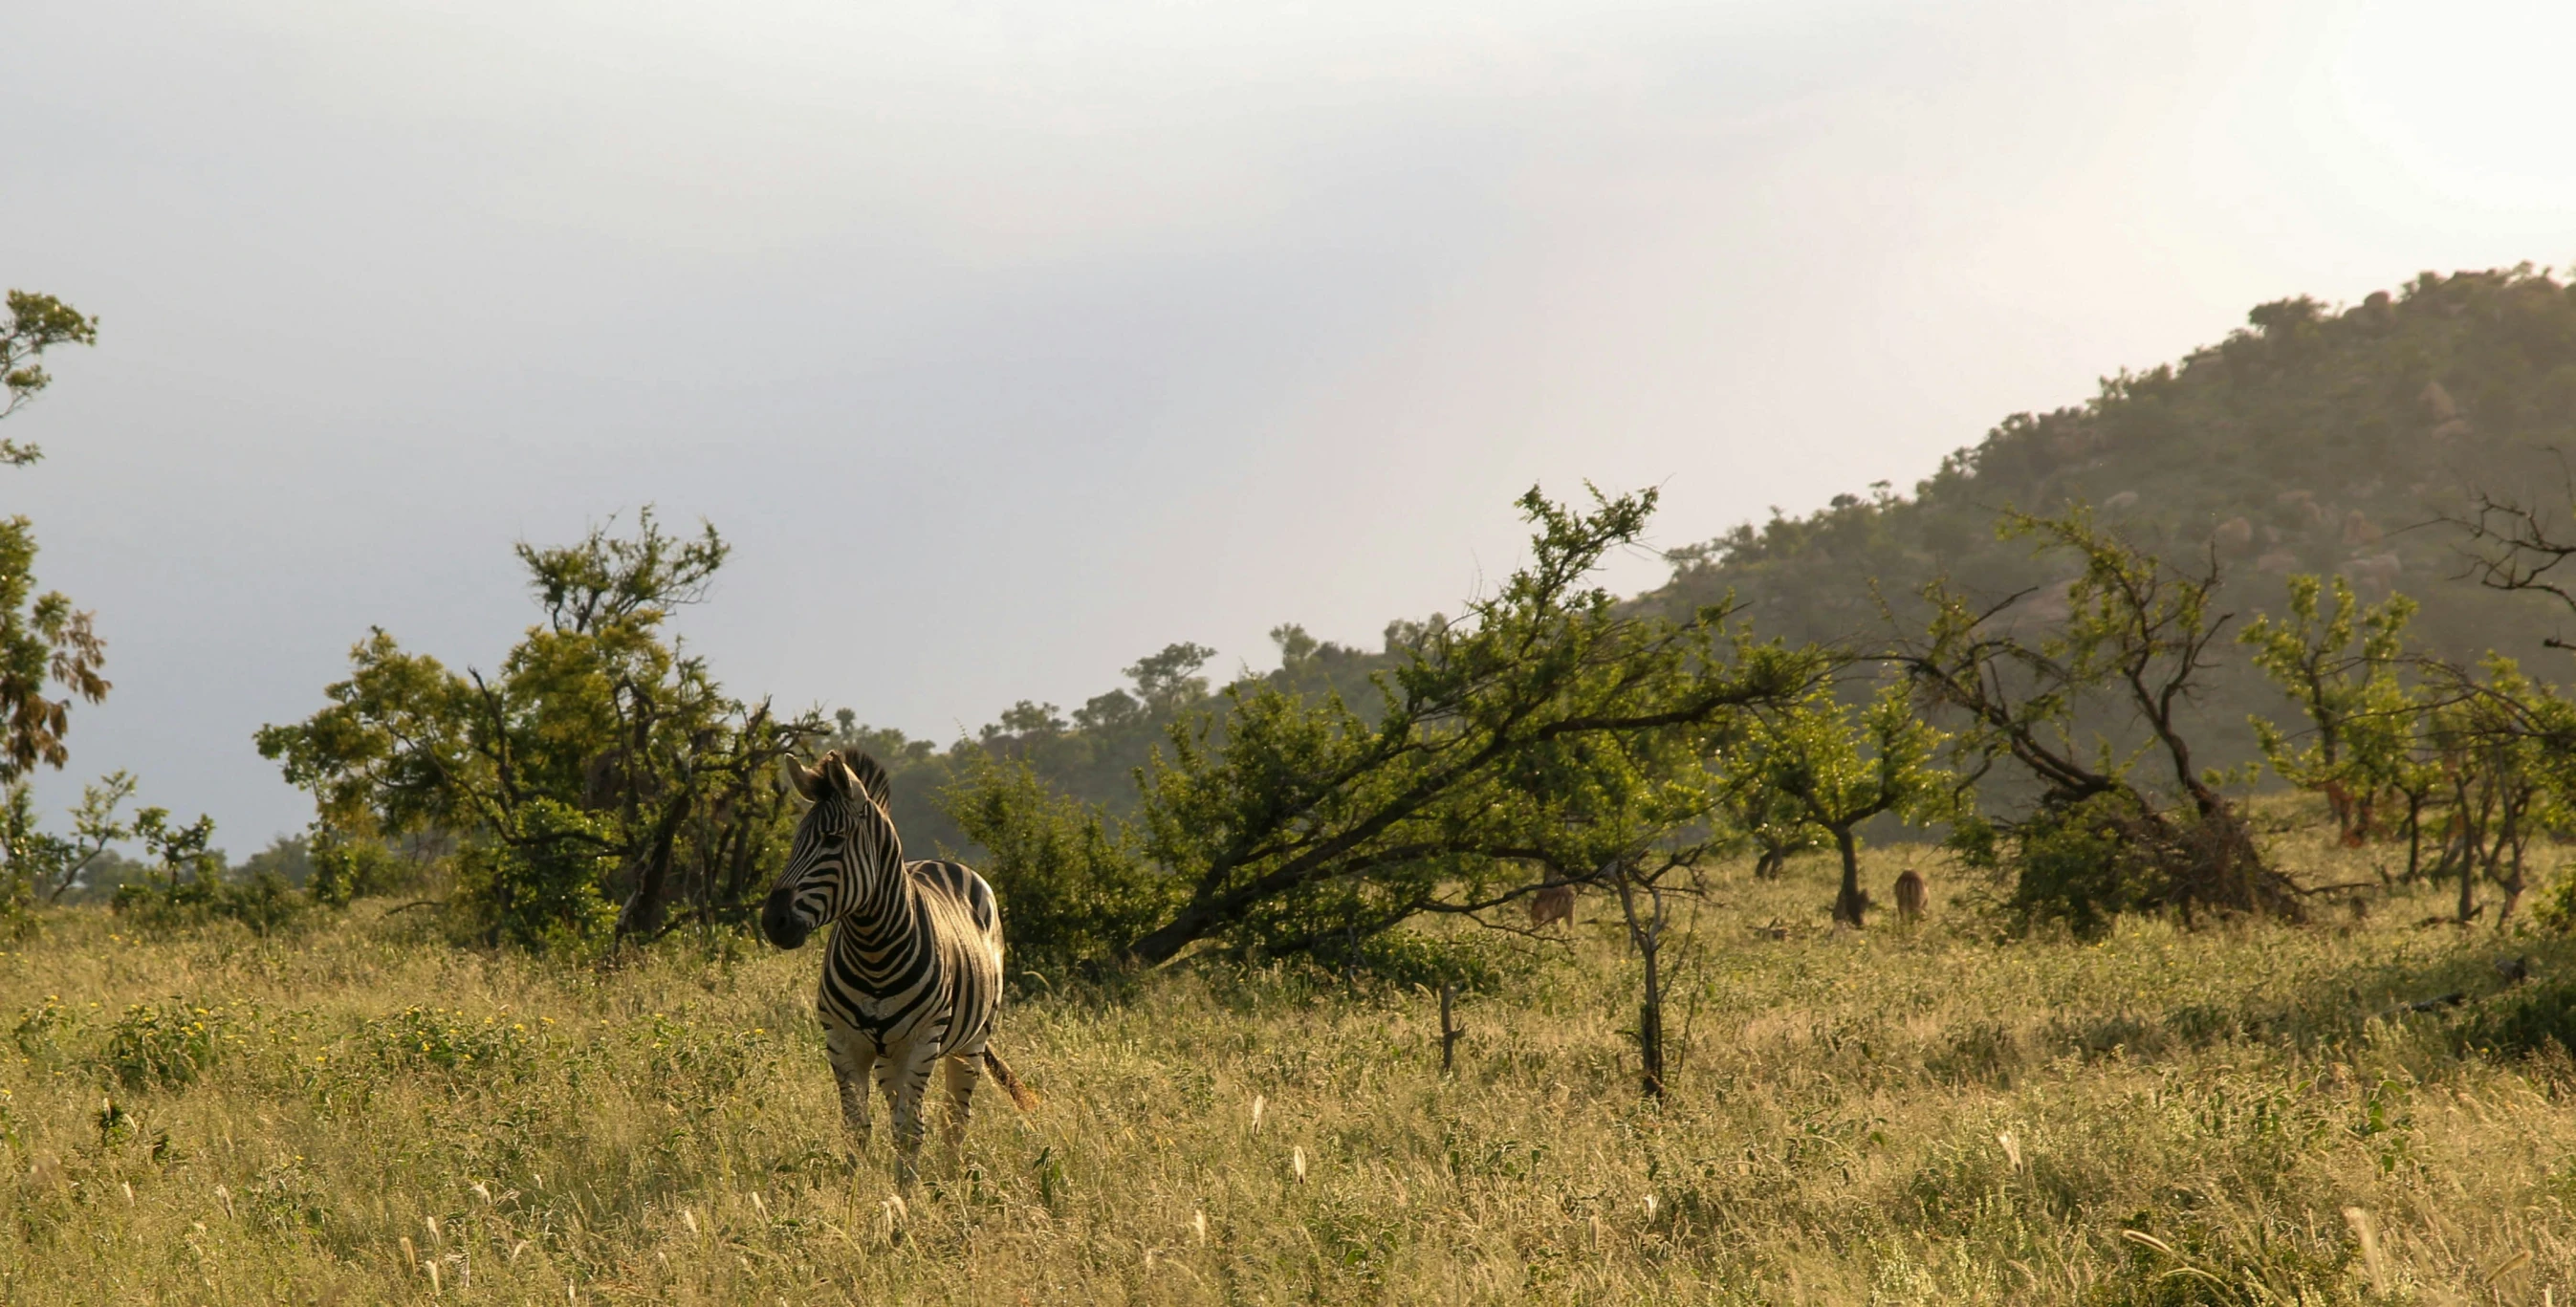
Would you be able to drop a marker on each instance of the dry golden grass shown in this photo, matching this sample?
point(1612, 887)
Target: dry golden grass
point(1898, 1116)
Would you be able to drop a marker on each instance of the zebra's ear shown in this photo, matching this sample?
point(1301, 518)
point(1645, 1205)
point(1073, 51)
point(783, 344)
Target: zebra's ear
point(870, 778)
point(807, 780)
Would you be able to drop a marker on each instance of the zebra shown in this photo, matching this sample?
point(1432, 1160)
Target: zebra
point(913, 974)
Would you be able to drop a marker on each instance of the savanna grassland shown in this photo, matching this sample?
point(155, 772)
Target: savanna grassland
point(1900, 1115)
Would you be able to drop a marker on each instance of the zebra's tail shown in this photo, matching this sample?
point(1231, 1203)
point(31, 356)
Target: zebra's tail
point(1022, 1096)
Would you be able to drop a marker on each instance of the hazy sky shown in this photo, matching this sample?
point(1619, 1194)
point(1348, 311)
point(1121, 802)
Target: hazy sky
point(1009, 342)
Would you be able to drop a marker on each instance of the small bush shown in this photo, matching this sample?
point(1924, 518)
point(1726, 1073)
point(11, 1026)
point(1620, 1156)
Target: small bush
point(437, 1039)
point(1074, 891)
point(167, 1046)
point(2528, 1020)
point(265, 902)
point(1405, 957)
point(2083, 864)
point(38, 1031)
point(346, 870)
point(542, 883)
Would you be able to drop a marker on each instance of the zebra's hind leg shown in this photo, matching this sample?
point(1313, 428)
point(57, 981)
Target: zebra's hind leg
point(852, 1059)
point(905, 1079)
point(961, 1073)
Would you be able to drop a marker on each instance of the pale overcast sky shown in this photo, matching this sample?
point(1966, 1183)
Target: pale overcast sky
point(1009, 342)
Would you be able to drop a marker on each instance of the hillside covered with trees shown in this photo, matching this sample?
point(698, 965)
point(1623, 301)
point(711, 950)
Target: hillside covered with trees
point(2316, 440)
point(2319, 441)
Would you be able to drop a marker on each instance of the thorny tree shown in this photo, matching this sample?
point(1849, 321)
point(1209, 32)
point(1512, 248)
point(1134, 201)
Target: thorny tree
point(47, 647)
point(598, 777)
point(2137, 640)
point(1287, 824)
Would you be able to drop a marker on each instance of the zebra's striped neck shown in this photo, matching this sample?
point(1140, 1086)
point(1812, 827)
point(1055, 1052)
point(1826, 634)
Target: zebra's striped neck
point(884, 912)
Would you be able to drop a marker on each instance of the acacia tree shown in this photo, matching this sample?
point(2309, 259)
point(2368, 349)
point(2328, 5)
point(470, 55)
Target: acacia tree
point(1833, 767)
point(46, 865)
point(2505, 746)
point(1291, 823)
point(2340, 666)
point(49, 653)
point(599, 775)
point(47, 647)
point(2135, 645)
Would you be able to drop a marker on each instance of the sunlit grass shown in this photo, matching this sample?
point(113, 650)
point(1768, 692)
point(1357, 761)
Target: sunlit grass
point(1897, 1116)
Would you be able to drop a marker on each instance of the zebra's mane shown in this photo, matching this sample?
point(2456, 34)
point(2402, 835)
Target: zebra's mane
point(865, 771)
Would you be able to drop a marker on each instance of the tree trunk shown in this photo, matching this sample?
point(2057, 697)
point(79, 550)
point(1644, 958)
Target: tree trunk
point(642, 915)
point(1165, 942)
point(1851, 903)
point(1650, 1035)
point(2468, 883)
point(2414, 837)
point(2513, 884)
point(1647, 935)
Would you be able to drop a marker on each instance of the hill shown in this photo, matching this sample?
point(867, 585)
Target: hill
point(2314, 440)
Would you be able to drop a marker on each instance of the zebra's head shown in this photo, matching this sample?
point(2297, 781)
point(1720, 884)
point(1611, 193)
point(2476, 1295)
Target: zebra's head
point(844, 845)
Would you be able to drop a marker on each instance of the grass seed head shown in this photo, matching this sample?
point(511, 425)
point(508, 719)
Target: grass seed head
point(2366, 1231)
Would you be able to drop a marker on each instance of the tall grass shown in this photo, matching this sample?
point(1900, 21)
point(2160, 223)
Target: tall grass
point(2246, 1114)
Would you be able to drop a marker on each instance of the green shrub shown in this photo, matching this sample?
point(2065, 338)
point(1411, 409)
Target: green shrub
point(1074, 891)
point(38, 1030)
point(265, 902)
point(542, 881)
point(2555, 906)
point(2530, 1019)
point(345, 870)
point(437, 1039)
point(167, 1045)
point(2083, 864)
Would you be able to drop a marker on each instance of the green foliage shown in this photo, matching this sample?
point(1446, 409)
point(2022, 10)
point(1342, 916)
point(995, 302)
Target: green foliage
point(601, 765)
point(449, 1042)
point(1547, 728)
point(344, 870)
point(540, 881)
point(46, 646)
point(37, 866)
point(166, 1045)
point(2133, 646)
point(2340, 667)
point(35, 323)
point(2504, 747)
point(1828, 767)
point(2303, 443)
point(2078, 864)
point(1074, 887)
point(185, 883)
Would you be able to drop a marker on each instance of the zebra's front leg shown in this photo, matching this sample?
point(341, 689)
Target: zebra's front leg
point(961, 1074)
point(853, 1057)
point(905, 1076)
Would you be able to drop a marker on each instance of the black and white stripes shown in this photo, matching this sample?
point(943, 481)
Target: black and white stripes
point(913, 975)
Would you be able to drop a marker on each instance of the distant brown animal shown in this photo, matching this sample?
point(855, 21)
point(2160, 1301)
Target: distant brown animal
point(1910, 895)
point(1554, 903)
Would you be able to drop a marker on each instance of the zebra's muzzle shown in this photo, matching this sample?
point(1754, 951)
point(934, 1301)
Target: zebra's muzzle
point(778, 920)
